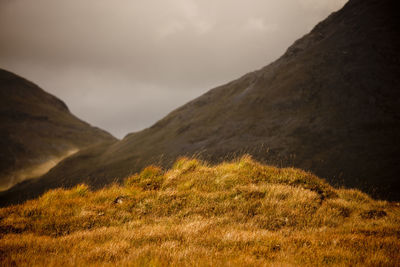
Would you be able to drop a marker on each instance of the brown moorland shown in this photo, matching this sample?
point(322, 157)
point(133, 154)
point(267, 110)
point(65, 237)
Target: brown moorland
point(240, 213)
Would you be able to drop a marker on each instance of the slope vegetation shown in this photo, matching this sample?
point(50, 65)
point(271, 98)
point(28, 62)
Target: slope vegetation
point(36, 130)
point(237, 213)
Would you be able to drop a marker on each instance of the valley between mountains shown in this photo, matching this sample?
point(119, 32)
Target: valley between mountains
point(294, 164)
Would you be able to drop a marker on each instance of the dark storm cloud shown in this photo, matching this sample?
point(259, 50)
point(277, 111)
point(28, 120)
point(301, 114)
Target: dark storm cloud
point(123, 64)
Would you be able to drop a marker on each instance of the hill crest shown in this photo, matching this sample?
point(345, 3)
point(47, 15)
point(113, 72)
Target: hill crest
point(239, 213)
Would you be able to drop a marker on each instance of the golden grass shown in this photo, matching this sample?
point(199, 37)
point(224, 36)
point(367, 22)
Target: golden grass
point(240, 213)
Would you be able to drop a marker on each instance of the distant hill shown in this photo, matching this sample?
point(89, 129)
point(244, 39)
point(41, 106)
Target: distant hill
point(330, 104)
point(36, 130)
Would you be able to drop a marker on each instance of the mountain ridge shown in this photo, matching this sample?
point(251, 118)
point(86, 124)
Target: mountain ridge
point(329, 105)
point(37, 130)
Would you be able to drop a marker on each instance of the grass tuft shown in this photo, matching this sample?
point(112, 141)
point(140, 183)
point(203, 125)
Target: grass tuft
point(151, 178)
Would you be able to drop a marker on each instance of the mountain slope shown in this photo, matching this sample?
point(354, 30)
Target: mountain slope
point(330, 104)
point(36, 130)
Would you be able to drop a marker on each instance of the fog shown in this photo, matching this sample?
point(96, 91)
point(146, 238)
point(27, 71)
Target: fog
point(122, 65)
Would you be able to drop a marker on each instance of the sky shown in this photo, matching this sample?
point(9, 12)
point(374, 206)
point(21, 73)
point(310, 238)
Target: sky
point(122, 65)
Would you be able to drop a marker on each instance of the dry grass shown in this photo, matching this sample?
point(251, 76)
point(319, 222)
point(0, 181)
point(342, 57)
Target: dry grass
point(239, 213)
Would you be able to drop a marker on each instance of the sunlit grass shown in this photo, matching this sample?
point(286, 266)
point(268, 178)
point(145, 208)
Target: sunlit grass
point(237, 213)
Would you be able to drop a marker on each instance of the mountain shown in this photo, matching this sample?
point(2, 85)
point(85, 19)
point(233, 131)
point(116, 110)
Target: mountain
point(329, 105)
point(36, 130)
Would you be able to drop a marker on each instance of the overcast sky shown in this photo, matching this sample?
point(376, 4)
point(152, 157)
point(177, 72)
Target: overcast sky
point(124, 64)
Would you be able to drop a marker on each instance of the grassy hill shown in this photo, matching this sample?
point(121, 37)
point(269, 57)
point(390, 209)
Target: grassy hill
point(194, 214)
point(329, 105)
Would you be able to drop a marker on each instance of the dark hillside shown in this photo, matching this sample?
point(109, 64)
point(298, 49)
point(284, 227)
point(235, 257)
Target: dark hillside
point(36, 130)
point(330, 105)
